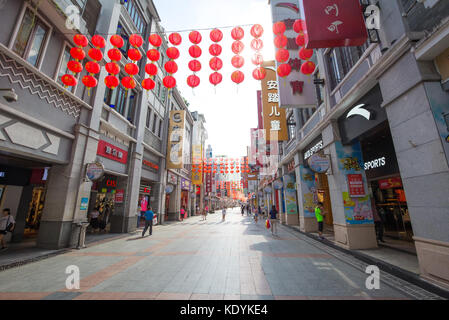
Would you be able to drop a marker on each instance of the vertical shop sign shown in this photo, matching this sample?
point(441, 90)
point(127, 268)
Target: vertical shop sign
point(334, 23)
point(208, 182)
point(197, 173)
point(274, 118)
point(176, 139)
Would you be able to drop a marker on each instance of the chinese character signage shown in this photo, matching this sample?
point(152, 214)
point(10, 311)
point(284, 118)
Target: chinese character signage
point(112, 152)
point(297, 90)
point(355, 185)
point(208, 182)
point(197, 175)
point(119, 196)
point(334, 23)
point(185, 184)
point(175, 139)
point(274, 118)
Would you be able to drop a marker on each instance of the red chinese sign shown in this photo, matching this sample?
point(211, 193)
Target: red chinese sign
point(151, 165)
point(390, 183)
point(112, 152)
point(334, 23)
point(208, 182)
point(355, 184)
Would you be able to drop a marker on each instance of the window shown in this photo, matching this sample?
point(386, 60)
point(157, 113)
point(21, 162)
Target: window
point(63, 67)
point(90, 11)
point(148, 122)
point(341, 60)
point(31, 37)
point(124, 102)
point(160, 129)
point(125, 35)
point(154, 123)
point(135, 15)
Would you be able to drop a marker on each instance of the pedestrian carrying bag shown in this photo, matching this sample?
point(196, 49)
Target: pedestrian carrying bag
point(267, 224)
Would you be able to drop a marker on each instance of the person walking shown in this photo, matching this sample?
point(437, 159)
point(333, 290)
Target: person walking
point(149, 215)
point(205, 212)
point(94, 218)
point(7, 224)
point(182, 214)
point(378, 223)
point(273, 220)
point(319, 214)
point(223, 212)
point(243, 210)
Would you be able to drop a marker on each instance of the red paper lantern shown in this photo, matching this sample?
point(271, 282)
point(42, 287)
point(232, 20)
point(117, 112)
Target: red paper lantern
point(259, 73)
point(111, 82)
point(238, 76)
point(215, 78)
point(299, 26)
point(131, 69)
point(280, 41)
point(95, 54)
point(301, 40)
point(215, 49)
point(169, 82)
point(216, 63)
point(195, 65)
point(117, 41)
point(98, 41)
point(171, 67)
point(90, 81)
point(195, 37)
point(193, 81)
point(284, 70)
point(257, 44)
point(216, 35)
point(175, 39)
point(92, 67)
point(112, 68)
point(134, 54)
point(238, 47)
point(195, 51)
point(308, 68)
point(80, 40)
point(257, 59)
point(279, 28)
point(155, 40)
point(115, 55)
point(135, 40)
point(77, 53)
point(257, 31)
point(282, 55)
point(69, 80)
point(237, 33)
point(238, 62)
point(173, 53)
point(153, 55)
point(74, 66)
point(129, 83)
point(305, 54)
point(151, 69)
point(148, 84)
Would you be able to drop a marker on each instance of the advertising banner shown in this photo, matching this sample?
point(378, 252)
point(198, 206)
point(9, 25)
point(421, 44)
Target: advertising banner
point(309, 191)
point(356, 205)
point(176, 139)
point(197, 175)
point(334, 23)
point(290, 194)
point(111, 152)
point(119, 196)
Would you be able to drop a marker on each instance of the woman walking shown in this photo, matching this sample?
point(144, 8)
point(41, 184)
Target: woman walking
point(223, 212)
point(273, 220)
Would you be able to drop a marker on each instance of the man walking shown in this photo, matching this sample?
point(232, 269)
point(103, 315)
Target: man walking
point(223, 212)
point(149, 215)
point(273, 220)
point(7, 224)
point(319, 214)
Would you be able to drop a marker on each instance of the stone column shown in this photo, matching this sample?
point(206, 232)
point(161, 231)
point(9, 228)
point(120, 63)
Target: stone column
point(415, 102)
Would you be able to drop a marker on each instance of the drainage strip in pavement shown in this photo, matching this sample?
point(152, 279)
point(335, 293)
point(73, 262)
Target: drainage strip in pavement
point(361, 262)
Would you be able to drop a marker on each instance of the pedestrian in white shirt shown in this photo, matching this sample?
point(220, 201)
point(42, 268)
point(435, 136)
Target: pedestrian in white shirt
point(7, 224)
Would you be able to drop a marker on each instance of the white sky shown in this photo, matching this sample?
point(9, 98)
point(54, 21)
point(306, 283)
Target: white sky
point(229, 113)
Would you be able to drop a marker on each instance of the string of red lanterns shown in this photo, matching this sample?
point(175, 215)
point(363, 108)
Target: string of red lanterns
point(215, 63)
point(195, 52)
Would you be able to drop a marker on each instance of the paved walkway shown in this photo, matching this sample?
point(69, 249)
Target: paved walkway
point(195, 260)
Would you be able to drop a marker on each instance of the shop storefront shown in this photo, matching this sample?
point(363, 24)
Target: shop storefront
point(366, 126)
point(186, 186)
point(23, 191)
point(149, 186)
point(171, 197)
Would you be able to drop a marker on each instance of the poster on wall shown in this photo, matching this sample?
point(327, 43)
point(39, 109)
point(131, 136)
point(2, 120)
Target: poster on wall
point(290, 194)
point(350, 162)
point(309, 191)
point(119, 196)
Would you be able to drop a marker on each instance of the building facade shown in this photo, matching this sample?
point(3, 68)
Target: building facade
point(377, 140)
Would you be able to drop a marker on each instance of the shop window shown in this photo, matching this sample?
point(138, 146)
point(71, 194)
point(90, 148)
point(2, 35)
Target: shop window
point(31, 38)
